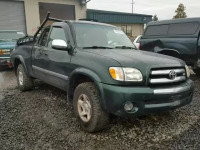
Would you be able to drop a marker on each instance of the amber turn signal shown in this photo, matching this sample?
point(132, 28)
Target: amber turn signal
point(1, 52)
point(116, 73)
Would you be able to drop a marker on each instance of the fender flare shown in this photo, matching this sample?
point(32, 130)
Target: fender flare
point(167, 50)
point(90, 74)
point(86, 72)
point(21, 59)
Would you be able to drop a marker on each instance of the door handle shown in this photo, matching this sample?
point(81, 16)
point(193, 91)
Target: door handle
point(42, 53)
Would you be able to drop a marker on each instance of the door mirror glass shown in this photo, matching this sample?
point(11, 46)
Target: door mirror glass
point(59, 44)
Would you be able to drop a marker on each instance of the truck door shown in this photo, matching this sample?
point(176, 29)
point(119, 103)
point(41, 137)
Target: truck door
point(38, 63)
point(57, 68)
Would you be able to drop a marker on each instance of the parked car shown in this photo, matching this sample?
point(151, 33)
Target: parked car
point(136, 42)
point(103, 74)
point(178, 38)
point(8, 41)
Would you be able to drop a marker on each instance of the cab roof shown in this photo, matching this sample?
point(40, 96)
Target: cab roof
point(80, 22)
point(91, 22)
point(183, 20)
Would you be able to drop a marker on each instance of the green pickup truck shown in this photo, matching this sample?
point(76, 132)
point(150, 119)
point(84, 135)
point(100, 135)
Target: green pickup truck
point(102, 72)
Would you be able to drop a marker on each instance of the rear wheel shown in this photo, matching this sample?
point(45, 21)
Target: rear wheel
point(88, 109)
point(24, 81)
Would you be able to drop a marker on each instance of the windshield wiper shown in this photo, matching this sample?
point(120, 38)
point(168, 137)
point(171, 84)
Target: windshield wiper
point(125, 47)
point(97, 47)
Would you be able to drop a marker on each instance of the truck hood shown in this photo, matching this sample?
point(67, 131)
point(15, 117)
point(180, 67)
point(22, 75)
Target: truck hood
point(138, 58)
point(7, 45)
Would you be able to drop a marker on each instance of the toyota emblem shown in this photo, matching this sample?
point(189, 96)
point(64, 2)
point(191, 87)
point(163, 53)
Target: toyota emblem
point(172, 75)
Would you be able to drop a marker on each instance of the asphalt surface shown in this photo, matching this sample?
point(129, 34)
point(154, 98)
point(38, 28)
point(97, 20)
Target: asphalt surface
point(43, 119)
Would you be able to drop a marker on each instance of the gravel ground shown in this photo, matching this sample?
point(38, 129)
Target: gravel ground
point(42, 119)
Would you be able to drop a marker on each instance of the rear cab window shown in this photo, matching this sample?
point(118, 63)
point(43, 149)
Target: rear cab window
point(187, 28)
point(156, 30)
point(44, 36)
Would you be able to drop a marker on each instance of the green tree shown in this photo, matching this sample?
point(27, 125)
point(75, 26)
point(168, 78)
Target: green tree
point(155, 18)
point(180, 12)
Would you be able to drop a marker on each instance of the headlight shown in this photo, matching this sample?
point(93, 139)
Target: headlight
point(187, 71)
point(126, 74)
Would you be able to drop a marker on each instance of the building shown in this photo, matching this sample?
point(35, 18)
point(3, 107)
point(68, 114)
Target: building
point(131, 24)
point(27, 15)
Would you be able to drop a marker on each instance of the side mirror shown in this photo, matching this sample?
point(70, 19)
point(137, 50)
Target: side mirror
point(60, 45)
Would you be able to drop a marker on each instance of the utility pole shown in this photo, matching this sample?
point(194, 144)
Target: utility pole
point(132, 5)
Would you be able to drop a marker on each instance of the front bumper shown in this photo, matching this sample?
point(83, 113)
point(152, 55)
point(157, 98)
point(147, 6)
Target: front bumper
point(146, 99)
point(5, 62)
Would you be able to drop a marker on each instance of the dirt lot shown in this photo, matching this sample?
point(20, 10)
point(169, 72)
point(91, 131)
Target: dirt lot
point(42, 119)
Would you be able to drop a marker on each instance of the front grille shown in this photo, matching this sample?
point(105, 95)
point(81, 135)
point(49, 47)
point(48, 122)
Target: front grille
point(6, 51)
point(167, 76)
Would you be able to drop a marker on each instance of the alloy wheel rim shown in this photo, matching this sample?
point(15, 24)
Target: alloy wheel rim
point(84, 108)
point(20, 78)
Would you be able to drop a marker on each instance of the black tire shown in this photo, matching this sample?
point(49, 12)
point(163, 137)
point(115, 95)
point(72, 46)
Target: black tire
point(197, 72)
point(26, 82)
point(99, 118)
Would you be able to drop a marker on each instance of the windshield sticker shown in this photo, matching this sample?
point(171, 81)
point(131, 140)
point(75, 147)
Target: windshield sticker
point(20, 33)
point(119, 31)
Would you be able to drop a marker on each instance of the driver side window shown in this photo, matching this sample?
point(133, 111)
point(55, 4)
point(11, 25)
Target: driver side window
point(44, 37)
point(57, 33)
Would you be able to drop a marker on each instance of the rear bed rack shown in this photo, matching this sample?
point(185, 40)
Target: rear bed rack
point(27, 38)
point(48, 18)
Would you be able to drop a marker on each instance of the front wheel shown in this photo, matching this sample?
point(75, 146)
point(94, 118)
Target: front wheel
point(87, 108)
point(24, 81)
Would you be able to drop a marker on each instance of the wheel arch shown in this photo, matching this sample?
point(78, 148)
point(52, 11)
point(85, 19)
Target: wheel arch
point(82, 75)
point(170, 52)
point(19, 60)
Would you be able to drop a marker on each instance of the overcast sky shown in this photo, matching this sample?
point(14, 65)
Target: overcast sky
point(165, 9)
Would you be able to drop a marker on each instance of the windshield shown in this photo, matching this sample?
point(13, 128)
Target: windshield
point(10, 35)
point(101, 36)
